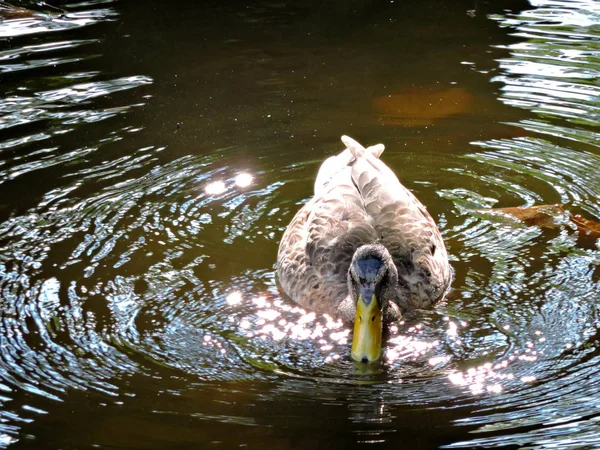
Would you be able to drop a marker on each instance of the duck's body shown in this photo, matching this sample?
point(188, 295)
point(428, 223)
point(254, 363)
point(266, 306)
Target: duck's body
point(361, 212)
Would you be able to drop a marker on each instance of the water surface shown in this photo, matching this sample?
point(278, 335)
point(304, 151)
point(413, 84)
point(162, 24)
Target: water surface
point(151, 155)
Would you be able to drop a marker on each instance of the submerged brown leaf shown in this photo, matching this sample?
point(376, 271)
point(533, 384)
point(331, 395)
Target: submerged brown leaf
point(549, 217)
point(421, 105)
point(586, 226)
point(9, 12)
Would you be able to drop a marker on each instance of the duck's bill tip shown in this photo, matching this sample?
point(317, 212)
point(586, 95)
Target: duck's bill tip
point(366, 339)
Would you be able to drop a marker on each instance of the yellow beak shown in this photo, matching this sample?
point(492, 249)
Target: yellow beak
point(366, 341)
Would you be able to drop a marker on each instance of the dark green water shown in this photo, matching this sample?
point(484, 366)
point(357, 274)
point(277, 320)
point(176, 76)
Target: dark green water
point(152, 153)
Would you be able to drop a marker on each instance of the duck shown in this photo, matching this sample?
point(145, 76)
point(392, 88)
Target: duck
point(363, 249)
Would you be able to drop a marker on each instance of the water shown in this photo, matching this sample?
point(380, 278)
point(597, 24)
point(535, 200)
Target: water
point(151, 155)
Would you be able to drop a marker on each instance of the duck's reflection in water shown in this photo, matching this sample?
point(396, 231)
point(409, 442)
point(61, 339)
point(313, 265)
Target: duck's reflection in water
point(372, 421)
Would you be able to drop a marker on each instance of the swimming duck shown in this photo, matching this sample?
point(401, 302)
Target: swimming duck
point(363, 249)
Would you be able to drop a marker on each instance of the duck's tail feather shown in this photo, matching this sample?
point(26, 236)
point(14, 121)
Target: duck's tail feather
point(335, 164)
point(376, 150)
point(370, 156)
point(358, 151)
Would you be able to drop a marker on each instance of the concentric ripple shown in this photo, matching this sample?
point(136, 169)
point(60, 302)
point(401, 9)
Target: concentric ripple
point(537, 287)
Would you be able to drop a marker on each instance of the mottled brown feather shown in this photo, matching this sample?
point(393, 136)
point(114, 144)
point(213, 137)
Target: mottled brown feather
point(359, 200)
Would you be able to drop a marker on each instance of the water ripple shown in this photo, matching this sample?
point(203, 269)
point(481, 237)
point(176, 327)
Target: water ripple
point(567, 172)
point(21, 21)
point(19, 110)
point(535, 287)
point(552, 73)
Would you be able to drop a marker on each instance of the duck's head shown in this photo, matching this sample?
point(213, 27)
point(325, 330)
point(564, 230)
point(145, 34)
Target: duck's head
point(372, 280)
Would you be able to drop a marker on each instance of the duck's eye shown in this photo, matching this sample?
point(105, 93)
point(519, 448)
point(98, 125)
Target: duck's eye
point(360, 318)
point(373, 319)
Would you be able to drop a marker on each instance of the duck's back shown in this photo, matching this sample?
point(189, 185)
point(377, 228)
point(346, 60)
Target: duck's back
point(358, 200)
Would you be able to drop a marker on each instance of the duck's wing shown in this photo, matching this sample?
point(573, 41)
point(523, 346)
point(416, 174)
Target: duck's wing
point(405, 227)
point(317, 247)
